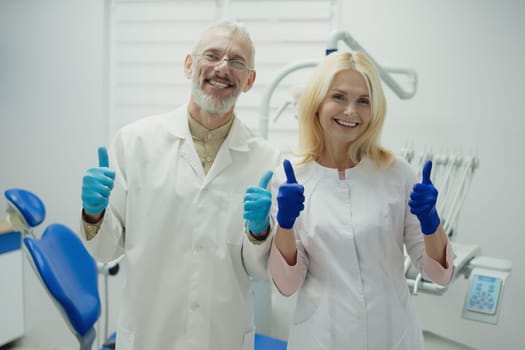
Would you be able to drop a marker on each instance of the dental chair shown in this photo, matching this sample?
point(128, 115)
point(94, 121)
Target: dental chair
point(69, 273)
point(62, 263)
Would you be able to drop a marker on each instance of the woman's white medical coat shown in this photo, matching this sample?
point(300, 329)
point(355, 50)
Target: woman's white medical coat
point(351, 236)
point(186, 256)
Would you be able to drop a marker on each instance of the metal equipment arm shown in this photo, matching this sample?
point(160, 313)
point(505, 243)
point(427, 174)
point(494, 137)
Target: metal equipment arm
point(384, 72)
point(336, 36)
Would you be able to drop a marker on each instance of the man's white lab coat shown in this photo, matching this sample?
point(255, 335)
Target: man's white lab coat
point(187, 259)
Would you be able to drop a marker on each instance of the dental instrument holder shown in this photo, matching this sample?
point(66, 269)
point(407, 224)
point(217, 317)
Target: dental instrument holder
point(451, 198)
point(487, 278)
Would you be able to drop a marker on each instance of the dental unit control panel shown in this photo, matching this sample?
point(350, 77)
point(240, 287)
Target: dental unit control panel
point(484, 295)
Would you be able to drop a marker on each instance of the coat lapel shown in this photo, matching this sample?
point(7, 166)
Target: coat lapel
point(179, 128)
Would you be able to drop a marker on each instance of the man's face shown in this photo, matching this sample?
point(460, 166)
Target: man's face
point(220, 70)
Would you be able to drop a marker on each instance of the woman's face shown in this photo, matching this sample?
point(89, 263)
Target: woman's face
point(345, 112)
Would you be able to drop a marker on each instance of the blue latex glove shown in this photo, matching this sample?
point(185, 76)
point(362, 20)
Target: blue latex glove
point(97, 184)
point(257, 203)
point(423, 202)
point(290, 199)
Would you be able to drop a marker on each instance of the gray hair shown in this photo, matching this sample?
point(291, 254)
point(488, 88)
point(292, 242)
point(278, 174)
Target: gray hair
point(238, 28)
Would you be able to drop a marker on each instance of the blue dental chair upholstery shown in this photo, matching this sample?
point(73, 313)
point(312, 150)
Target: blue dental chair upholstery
point(62, 263)
point(263, 342)
point(70, 276)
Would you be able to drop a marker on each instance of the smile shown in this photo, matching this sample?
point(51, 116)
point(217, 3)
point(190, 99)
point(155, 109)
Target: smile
point(345, 123)
point(219, 84)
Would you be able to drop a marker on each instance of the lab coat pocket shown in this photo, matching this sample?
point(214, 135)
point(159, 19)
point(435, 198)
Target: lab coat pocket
point(400, 289)
point(125, 338)
point(305, 308)
point(310, 326)
point(229, 235)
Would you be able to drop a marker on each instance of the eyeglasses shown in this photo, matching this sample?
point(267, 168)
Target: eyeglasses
point(235, 64)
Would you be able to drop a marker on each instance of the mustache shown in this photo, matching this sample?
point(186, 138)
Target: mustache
point(214, 76)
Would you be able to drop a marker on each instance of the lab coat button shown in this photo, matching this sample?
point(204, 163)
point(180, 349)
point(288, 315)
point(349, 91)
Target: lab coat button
point(195, 306)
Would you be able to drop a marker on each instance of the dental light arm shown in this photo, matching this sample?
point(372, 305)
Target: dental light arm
point(266, 99)
point(335, 37)
point(384, 72)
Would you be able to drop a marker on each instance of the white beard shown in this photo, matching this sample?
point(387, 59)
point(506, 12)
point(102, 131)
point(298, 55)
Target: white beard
point(209, 103)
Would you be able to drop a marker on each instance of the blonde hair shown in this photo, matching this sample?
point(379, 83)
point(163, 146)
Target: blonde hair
point(311, 137)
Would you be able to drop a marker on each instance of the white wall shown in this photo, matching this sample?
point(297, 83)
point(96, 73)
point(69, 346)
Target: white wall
point(52, 119)
point(468, 55)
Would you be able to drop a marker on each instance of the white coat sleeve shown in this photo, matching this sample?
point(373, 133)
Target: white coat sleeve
point(255, 255)
point(108, 243)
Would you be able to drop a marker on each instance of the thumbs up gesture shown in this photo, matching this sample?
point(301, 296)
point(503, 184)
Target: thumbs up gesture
point(97, 184)
point(423, 202)
point(290, 199)
point(257, 203)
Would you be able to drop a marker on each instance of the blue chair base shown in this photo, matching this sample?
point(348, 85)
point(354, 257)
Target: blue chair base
point(110, 342)
point(264, 342)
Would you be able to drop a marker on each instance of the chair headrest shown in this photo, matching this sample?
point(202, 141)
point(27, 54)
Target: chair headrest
point(28, 205)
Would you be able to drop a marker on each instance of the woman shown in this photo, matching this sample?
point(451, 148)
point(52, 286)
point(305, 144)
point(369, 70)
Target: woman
point(346, 215)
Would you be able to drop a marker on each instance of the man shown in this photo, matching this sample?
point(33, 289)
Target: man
point(177, 182)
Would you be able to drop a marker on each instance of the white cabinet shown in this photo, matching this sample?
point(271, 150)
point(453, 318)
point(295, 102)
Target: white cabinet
point(11, 288)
